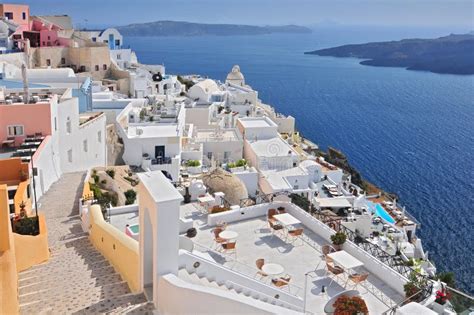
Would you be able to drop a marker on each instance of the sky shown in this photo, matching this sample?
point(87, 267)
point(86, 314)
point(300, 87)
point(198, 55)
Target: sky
point(422, 13)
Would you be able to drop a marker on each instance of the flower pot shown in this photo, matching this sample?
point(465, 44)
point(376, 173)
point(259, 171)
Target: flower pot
point(337, 247)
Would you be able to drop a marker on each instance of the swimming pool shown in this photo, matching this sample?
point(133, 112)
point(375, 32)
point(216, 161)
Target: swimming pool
point(133, 231)
point(381, 212)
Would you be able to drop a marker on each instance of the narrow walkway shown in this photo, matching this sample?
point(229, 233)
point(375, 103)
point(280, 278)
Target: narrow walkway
point(77, 279)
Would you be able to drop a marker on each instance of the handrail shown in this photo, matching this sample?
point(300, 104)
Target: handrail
point(254, 270)
point(392, 309)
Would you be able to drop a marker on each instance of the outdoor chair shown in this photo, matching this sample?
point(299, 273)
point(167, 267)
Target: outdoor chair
point(229, 248)
point(325, 249)
point(218, 240)
point(357, 279)
point(334, 272)
point(294, 235)
point(275, 227)
point(282, 281)
point(270, 214)
point(259, 263)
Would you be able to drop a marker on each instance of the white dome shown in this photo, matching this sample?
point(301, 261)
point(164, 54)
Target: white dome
point(235, 76)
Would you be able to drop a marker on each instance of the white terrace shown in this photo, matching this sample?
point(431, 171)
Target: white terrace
point(255, 241)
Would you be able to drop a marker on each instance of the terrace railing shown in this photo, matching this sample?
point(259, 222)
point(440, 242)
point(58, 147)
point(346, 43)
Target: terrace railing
point(460, 302)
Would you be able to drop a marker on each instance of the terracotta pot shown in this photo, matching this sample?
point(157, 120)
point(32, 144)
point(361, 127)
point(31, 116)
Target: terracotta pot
point(337, 247)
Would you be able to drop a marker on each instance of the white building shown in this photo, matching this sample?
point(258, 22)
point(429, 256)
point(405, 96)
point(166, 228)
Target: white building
point(71, 142)
point(152, 136)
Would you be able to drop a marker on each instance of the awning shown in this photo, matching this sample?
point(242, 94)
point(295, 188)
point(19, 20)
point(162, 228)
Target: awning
point(332, 202)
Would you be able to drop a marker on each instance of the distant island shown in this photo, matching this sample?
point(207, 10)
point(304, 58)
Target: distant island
point(177, 28)
point(453, 54)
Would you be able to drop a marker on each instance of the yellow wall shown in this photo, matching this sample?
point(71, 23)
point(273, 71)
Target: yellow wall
point(86, 191)
point(9, 303)
point(32, 250)
point(119, 249)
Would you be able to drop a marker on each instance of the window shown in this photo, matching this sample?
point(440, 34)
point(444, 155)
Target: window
point(99, 136)
point(84, 145)
point(106, 41)
point(96, 67)
point(9, 15)
point(23, 15)
point(209, 155)
point(48, 61)
point(15, 130)
point(63, 61)
point(226, 155)
point(104, 67)
point(49, 37)
point(68, 125)
point(117, 42)
point(94, 39)
point(69, 155)
point(119, 56)
point(55, 124)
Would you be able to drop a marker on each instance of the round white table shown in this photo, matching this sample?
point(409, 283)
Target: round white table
point(272, 269)
point(228, 235)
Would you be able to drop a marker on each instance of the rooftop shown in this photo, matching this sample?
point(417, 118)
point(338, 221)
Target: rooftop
point(210, 135)
point(153, 130)
point(271, 147)
point(159, 186)
point(256, 122)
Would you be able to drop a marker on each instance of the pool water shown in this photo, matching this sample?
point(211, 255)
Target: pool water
point(381, 212)
point(134, 228)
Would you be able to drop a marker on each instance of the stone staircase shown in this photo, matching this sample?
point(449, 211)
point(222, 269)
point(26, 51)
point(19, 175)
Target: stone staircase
point(77, 279)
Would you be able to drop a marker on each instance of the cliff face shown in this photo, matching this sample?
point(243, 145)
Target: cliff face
point(452, 54)
point(175, 28)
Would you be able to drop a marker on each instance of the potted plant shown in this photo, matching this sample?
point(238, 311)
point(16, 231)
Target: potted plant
point(193, 166)
point(22, 210)
point(346, 305)
point(442, 296)
point(238, 166)
point(338, 239)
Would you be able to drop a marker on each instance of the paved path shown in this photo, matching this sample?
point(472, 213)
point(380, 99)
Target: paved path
point(77, 279)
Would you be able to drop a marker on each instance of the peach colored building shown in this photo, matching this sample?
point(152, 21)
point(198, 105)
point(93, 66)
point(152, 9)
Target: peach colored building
point(19, 120)
point(18, 14)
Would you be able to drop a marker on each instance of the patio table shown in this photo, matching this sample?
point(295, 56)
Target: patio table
point(286, 219)
point(272, 269)
point(345, 260)
point(228, 235)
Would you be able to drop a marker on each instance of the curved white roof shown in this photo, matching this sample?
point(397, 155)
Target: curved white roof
point(307, 163)
point(208, 86)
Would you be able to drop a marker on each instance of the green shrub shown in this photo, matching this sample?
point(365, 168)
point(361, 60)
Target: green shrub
point(448, 278)
point(231, 165)
point(193, 163)
point(27, 226)
point(96, 178)
point(95, 190)
point(110, 172)
point(130, 196)
point(338, 238)
point(241, 162)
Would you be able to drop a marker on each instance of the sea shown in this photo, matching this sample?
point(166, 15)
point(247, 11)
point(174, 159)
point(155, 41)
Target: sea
point(408, 132)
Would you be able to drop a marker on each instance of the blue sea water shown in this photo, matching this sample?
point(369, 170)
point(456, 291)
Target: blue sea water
point(411, 133)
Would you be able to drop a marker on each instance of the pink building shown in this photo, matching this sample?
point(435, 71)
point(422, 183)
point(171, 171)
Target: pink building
point(45, 34)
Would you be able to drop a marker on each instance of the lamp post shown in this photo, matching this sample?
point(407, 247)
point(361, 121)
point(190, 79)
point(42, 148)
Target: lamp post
point(34, 187)
point(311, 274)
